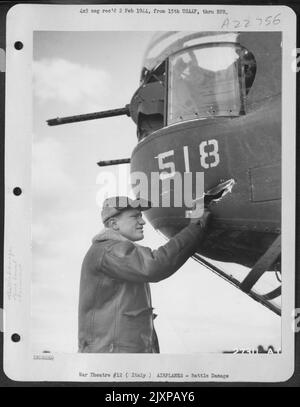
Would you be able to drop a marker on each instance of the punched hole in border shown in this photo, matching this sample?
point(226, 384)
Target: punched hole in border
point(17, 191)
point(19, 45)
point(16, 338)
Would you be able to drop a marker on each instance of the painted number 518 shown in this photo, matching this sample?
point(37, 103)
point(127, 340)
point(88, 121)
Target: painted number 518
point(209, 158)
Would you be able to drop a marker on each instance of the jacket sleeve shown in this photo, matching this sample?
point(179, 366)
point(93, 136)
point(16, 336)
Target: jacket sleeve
point(126, 261)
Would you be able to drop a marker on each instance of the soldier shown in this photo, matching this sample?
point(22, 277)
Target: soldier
point(115, 309)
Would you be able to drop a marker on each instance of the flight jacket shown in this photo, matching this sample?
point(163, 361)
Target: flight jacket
point(115, 308)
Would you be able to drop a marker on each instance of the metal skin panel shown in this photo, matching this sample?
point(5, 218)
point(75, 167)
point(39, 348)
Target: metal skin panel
point(265, 183)
point(148, 99)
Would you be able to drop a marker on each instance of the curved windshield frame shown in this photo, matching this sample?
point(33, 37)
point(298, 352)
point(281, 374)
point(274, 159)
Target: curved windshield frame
point(206, 81)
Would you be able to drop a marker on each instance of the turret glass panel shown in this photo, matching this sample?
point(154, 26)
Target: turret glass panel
point(208, 81)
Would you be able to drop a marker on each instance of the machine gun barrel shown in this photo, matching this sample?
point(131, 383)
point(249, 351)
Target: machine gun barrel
point(113, 162)
point(89, 116)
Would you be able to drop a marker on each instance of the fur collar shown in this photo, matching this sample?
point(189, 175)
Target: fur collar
point(108, 234)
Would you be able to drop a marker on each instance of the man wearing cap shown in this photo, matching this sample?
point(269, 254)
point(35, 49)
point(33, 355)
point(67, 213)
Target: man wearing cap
point(115, 309)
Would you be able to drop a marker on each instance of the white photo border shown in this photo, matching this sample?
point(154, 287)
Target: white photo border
point(22, 21)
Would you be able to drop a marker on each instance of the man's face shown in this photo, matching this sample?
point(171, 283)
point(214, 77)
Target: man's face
point(130, 224)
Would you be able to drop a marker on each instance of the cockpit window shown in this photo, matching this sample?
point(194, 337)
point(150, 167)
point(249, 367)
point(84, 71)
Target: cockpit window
point(209, 81)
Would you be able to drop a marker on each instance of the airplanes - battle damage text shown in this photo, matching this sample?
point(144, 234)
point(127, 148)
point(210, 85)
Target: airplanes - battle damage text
point(148, 375)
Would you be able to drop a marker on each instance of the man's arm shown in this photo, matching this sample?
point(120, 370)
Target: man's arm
point(125, 261)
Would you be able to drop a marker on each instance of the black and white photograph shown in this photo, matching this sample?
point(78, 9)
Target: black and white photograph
point(149, 234)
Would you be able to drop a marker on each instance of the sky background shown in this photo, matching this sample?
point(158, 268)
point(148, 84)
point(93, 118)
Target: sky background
point(83, 72)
